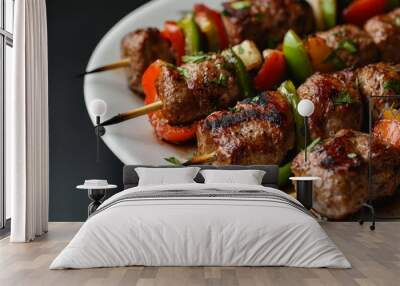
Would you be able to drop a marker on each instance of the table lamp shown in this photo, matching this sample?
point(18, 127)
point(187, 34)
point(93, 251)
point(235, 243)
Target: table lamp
point(305, 108)
point(98, 108)
point(304, 185)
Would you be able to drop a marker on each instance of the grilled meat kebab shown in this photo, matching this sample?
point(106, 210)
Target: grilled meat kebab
point(266, 21)
point(338, 103)
point(352, 46)
point(194, 90)
point(385, 31)
point(381, 79)
point(259, 130)
point(342, 163)
point(143, 47)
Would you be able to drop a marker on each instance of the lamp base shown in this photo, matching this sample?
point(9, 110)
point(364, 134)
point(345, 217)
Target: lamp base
point(372, 211)
point(100, 130)
point(305, 192)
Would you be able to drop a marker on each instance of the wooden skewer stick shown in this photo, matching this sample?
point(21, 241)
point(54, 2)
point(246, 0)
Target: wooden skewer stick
point(133, 113)
point(206, 158)
point(116, 65)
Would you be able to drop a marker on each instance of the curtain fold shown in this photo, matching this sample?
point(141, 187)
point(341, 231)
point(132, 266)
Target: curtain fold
point(27, 123)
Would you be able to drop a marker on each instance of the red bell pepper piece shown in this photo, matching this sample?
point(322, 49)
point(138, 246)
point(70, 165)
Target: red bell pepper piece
point(272, 71)
point(165, 131)
point(216, 19)
point(175, 35)
point(359, 11)
point(172, 134)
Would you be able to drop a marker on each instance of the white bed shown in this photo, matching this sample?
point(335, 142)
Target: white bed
point(239, 229)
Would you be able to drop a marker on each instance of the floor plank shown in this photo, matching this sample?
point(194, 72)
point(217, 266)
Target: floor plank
point(375, 257)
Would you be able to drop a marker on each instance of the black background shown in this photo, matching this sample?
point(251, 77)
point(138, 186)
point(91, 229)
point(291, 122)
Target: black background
point(74, 29)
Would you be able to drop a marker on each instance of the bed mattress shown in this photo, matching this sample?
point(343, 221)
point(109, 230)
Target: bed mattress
point(201, 225)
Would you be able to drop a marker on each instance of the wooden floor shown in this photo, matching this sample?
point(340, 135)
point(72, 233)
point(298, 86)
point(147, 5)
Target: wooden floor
point(375, 257)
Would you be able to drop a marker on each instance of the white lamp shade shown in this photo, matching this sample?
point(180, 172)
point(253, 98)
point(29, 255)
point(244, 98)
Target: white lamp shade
point(98, 107)
point(305, 108)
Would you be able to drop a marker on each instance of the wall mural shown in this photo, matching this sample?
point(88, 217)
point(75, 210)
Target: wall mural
point(224, 88)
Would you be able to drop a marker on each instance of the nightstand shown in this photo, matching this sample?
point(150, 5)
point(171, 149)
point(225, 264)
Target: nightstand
point(304, 190)
point(96, 194)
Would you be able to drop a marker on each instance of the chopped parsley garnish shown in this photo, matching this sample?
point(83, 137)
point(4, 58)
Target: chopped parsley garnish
point(181, 70)
point(334, 60)
point(259, 16)
point(240, 5)
point(344, 97)
point(348, 45)
point(313, 144)
point(339, 33)
point(225, 13)
point(222, 80)
point(173, 161)
point(352, 155)
point(184, 72)
point(392, 84)
point(196, 58)
point(234, 109)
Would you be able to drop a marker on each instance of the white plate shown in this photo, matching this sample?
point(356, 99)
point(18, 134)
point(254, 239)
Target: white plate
point(133, 141)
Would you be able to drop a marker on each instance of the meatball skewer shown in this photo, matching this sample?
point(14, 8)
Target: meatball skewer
point(142, 47)
point(190, 92)
point(342, 163)
point(385, 32)
point(383, 80)
point(338, 103)
point(259, 130)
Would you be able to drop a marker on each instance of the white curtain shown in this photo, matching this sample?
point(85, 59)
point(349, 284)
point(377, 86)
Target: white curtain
point(27, 124)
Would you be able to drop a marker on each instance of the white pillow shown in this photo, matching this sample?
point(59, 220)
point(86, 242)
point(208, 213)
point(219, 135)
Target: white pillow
point(166, 176)
point(248, 177)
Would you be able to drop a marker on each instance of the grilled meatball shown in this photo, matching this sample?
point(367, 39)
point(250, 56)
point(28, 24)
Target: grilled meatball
point(337, 101)
point(266, 21)
point(352, 47)
point(194, 90)
point(255, 131)
point(143, 47)
point(342, 163)
point(385, 31)
point(381, 79)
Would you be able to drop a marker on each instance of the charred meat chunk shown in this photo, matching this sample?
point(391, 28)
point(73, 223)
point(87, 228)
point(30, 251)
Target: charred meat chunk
point(352, 47)
point(342, 163)
point(381, 79)
point(266, 21)
point(196, 89)
point(143, 47)
point(256, 131)
point(385, 31)
point(338, 104)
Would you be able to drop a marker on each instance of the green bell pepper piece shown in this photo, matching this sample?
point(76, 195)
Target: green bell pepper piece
point(329, 13)
point(242, 76)
point(192, 35)
point(392, 4)
point(288, 89)
point(296, 56)
point(285, 171)
point(284, 174)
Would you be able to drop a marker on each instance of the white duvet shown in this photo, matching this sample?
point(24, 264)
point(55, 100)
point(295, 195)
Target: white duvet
point(200, 231)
